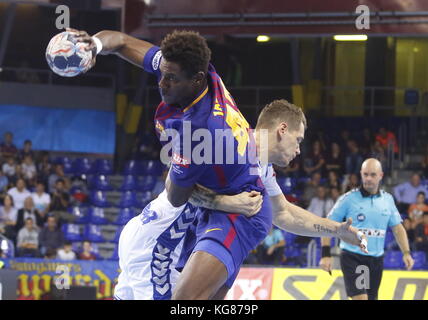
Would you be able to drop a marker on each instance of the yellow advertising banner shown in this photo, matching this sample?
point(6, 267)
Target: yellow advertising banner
point(316, 284)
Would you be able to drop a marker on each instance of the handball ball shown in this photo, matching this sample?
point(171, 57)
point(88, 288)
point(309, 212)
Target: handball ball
point(67, 57)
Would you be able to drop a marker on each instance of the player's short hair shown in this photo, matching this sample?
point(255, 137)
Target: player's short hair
point(188, 49)
point(281, 111)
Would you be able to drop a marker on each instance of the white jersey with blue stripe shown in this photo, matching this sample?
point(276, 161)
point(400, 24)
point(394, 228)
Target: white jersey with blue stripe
point(372, 214)
point(149, 247)
point(268, 177)
point(151, 243)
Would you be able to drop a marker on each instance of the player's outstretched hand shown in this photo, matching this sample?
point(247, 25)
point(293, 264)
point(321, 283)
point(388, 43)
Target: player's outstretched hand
point(352, 235)
point(84, 37)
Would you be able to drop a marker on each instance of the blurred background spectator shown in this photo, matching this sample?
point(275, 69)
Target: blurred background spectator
point(406, 192)
point(28, 240)
point(66, 253)
point(50, 237)
point(19, 193)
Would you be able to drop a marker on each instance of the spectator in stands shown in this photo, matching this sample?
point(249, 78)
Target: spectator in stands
point(80, 190)
point(29, 211)
point(60, 201)
point(41, 199)
point(333, 180)
point(424, 163)
point(335, 194)
point(7, 148)
point(410, 230)
point(9, 169)
point(271, 250)
point(421, 235)
point(50, 237)
point(354, 159)
point(27, 150)
point(28, 240)
point(344, 138)
point(366, 140)
point(29, 171)
point(310, 189)
point(321, 204)
point(4, 183)
point(379, 153)
point(417, 209)
point(350, 182)
point(44, 169)
point(58, 174)
point(50, 254)
point(87, 253)
point(335, 160)
point(292, 170)
point(66, 253)
point(315, 161)
point(19, 193)
point(385, 138)
point(406, 193)
point(8, 217)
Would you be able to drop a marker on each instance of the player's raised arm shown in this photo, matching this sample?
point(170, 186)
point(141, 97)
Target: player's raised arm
point(129, 48)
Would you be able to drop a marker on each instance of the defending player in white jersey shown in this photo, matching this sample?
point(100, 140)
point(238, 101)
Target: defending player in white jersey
point(147, 262)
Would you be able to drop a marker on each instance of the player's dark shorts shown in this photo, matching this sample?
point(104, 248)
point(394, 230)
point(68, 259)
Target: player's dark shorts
point(228, 237)
point(354, 283)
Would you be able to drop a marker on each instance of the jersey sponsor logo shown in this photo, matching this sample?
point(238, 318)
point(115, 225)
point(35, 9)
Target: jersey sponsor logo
point(374, 233)
point(180, 160)
point(361, 217)
point(156, 60)
point(213, 229)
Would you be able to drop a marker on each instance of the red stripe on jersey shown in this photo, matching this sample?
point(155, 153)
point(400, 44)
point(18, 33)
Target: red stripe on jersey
point(231, 235)
point(219, 171)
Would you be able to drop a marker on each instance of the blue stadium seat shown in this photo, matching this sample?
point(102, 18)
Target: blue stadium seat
point(393, 260)
point(98, 199)
point(132, 167)
point(96, 216)
point(102, 166)
point(71, 232)
point(420, 260)
point(115, 254)
point(147, 183)
point(117, 235)
point(152, 168)
point(82, 166)
point(125, 214)
point(130, 182)
point(128, 199)
point(145, 199)
point(81, 215)
point(93, 233)
point(100, 182)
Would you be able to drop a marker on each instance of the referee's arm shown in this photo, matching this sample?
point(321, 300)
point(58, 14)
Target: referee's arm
point(400, 235)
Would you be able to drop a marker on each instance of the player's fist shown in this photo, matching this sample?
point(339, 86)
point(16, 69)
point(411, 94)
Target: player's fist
point(325, 264)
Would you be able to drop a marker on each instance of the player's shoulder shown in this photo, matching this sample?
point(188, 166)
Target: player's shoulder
point(386, 195)
point(350, 195)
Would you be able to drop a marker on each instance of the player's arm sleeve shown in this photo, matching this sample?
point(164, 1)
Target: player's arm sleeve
point(395, 217)
point(270, 183)
point(339, 211)
point(152, 60)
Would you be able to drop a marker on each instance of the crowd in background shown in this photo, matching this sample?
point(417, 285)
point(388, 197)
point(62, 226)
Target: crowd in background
point(35, 193)
point(35, 196)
